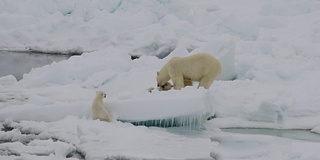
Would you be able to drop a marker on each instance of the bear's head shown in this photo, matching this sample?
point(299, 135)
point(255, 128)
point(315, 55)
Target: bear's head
point(162, 79)
point(167, 86)
point(101, 94)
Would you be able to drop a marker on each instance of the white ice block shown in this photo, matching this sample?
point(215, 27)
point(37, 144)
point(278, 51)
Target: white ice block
point(183, 107)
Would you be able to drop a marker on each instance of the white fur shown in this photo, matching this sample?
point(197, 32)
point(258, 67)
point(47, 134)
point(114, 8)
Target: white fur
point(98, 110)
point(200, 67)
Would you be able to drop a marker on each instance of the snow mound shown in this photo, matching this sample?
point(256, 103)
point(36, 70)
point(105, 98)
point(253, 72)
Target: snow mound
point(8, 80)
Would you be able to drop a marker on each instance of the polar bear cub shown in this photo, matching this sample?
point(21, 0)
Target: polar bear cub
point(98, 110)
point(201, 67)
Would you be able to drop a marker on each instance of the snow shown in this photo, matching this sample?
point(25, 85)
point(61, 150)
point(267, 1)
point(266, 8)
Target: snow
point(269, 52)
point(98, 139)
point(262, 147)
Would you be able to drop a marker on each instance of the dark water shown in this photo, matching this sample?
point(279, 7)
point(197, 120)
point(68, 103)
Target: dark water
point(19, 63)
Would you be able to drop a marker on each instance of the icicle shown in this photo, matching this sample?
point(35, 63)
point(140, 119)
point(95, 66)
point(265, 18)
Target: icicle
point(185, 121)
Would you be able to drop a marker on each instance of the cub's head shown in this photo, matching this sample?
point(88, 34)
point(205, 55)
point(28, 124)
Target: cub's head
point(101, 94)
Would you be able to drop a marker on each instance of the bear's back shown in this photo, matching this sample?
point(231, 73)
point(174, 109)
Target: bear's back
point(201, 59)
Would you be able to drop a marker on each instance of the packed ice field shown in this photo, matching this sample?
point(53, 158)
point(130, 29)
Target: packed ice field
point(269, 51)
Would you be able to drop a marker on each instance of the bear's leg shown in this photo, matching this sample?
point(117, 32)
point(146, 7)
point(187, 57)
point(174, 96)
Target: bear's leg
point(177, 78)
point(178, 83)
point(206, 81)
point(187, 82)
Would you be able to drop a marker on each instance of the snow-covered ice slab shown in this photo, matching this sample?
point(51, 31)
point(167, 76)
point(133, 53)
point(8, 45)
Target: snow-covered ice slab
point(189, 106)
point(186, 107)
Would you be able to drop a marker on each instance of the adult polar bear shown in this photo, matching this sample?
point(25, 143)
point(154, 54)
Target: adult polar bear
point(200, 67)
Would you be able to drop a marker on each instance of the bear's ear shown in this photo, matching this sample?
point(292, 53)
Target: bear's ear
point(158, 73)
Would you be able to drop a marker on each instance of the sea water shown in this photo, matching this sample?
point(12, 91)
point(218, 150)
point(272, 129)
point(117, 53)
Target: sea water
point(19, 63)
point(297, 134)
